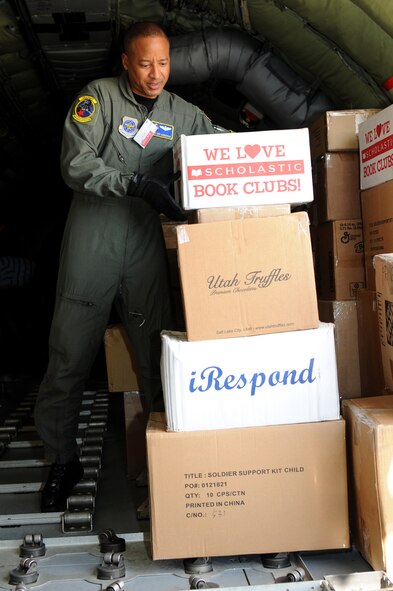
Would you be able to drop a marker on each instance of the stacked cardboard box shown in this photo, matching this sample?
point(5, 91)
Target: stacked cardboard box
point(376, 183)
point(370, 359)
point(338, 234)
point(123, 376)
point(370, 419)
point(250, 387)
point(231, 492)
point(383, 264)
point(121, 364)
point(247, 169)
point(344, 316)
point(370, 443)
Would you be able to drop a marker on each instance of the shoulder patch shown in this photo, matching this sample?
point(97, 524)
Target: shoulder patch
point(85, 109)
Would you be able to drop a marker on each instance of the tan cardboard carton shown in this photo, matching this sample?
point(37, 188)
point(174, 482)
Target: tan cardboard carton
point(121, 363)
point(336, 186)
point(377, 216)
point(169, 232)
point(247, 277)
point(370, 355)
point(343, 315)
point(336, 131)
point(280, 488)
point(339, 259)
point(370, 444)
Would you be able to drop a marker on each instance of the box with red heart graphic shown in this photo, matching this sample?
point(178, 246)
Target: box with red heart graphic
point(376, 149)
point(250, 168)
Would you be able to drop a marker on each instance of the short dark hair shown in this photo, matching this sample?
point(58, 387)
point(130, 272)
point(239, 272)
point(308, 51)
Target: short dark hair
point(142, 29)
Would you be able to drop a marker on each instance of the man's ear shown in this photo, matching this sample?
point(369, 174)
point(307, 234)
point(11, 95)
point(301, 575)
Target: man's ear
point(124, 60)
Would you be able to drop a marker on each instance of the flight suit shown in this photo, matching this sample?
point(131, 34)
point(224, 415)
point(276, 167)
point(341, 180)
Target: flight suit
point(112, 250)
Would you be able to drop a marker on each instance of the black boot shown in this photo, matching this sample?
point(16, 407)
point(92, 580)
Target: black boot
point(61, 480)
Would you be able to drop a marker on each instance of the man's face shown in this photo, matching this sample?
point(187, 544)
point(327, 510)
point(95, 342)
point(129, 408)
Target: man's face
point(147, 64)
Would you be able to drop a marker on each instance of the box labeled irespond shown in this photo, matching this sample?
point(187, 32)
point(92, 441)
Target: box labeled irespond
point(376, 149)
point(370, 444)
point(249, 381)
point(251, 168)
point(247, 277)
point(383, 264)
point(247, 491)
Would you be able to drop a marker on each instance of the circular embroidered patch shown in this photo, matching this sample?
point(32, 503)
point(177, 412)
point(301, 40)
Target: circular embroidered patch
point(85, 109)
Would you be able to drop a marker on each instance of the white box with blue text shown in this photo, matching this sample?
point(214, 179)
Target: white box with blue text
point(277, 378)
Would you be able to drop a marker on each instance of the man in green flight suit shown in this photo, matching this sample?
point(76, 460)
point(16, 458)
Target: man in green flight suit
point(116, 156)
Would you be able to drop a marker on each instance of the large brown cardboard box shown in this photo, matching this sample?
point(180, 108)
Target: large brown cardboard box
point(121, 366)
point(222, 214)
point(336, 131)
point(336, 186)
point(370, 356)
point(247, 277)
point(370, 452)
point(339, 259)
point(377, 215)
point(247, 490)
point(343, 315)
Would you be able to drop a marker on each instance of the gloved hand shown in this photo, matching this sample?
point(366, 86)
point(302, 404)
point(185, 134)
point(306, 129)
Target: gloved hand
point(155, 191)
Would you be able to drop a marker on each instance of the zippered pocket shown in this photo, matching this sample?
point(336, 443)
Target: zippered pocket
point(77, 299)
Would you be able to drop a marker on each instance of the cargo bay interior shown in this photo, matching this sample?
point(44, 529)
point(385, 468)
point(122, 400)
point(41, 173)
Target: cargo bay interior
point(271, 67)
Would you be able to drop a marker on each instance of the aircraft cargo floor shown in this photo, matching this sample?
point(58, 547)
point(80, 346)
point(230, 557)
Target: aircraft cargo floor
point(101, 544)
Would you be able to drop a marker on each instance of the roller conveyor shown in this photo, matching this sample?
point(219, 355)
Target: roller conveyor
point(99, 543)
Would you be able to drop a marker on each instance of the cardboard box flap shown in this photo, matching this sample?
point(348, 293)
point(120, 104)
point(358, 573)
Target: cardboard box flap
point(372, 403)
point(337, 130)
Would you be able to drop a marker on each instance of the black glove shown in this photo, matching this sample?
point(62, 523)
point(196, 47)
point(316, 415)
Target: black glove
point(155, 191)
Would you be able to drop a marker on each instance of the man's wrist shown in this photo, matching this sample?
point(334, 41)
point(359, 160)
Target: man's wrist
point(134, 181)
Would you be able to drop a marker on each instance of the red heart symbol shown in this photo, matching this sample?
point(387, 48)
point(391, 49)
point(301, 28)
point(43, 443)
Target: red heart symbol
point(378, 129)
point(252, 151)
